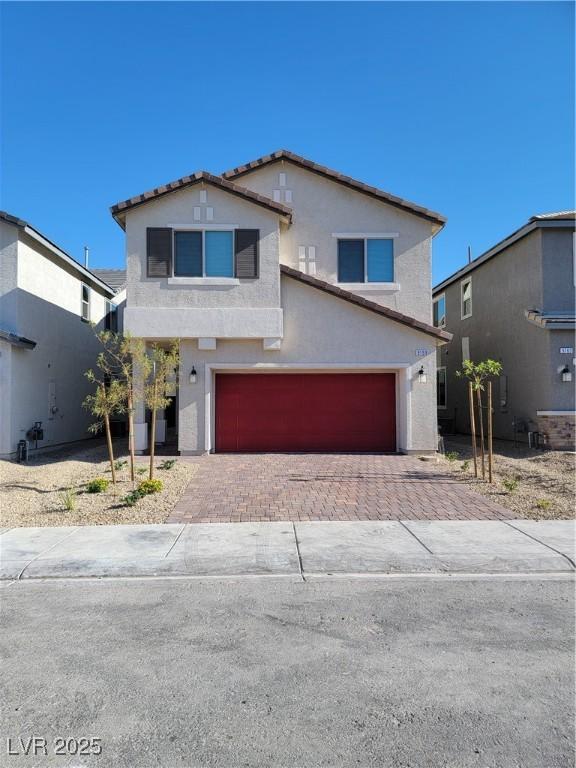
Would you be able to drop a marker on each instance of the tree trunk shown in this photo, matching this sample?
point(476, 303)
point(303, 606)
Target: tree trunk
point(489, 431)
point(153, 432)
point(131, 448)
point(110, 449)
point(473, 427)
point(481, 419)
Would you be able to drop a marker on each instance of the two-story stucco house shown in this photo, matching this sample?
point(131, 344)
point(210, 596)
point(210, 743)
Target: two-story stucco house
point(515, 304)
point(302, 301)
point(47, 302)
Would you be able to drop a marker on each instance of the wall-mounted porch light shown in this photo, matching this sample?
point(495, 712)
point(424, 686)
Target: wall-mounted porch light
point(422, 378)
point(192, 377)
point(566, 374)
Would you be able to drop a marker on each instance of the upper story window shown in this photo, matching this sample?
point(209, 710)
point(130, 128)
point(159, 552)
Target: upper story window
point(85, 303)
point(198, 253)
point(203, 253)
point(366, 260)
point(440, 311)
point(466, 298)
point(111, 319)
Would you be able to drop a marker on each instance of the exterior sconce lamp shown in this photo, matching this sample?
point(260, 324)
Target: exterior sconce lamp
point(566, 374)
point(192, 377)
point(422, 378)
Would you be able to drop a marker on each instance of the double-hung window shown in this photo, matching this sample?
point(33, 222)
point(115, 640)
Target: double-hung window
point(203, 253)
point(366, 260)
point(440, 311)
point(441, 398)
point(85, 303)
point(111, 319)
point(466, 297)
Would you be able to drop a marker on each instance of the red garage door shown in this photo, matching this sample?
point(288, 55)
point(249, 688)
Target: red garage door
point(305, 412)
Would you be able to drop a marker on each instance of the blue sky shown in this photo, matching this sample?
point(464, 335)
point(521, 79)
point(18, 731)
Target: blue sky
point(466, 108)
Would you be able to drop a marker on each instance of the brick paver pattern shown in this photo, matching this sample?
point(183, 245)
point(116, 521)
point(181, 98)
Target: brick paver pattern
point(272, 487)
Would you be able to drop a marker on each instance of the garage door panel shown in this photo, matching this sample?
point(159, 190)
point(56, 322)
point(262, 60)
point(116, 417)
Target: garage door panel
point(305, 412)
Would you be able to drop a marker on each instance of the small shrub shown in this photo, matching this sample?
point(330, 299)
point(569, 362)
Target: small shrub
point(168, 464)
point(118, 465)
point(97, 485)
point(68, 499)
point(543, 504)
point(465, 465)
point(141, 470)
point(452, 455)
point(510, 483)
point(150, 486)
point(132, 498)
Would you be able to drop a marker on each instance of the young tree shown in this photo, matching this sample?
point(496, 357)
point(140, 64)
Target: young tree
point(108, 399)
point(124, 360)
point(479, 376)
point(163, 363)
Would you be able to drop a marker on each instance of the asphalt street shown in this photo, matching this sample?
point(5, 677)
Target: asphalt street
point(402, 672)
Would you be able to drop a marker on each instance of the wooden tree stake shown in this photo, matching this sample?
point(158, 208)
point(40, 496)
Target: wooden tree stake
point(489, 431)
point(473, 427)
point(481, 420)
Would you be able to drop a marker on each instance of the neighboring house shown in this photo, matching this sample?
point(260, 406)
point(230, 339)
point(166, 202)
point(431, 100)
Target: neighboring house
point(515, 304)
point(302, 301)
point(47, 302)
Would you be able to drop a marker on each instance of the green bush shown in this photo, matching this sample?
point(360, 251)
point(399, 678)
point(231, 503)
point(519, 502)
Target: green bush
point(465, 465)
point(68, 499)
point(543, 504)
point(97, 485)
point(149, 486)
point(510, 483)
point(118, 465)
point(168, 464)
point(131, 498)
point(452, 455)
point(141, 470)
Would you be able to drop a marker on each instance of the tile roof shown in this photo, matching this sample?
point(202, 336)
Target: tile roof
point(322, 170)
point(119, 209)
point(115, 278)
point(555, 215)
point(360, 301)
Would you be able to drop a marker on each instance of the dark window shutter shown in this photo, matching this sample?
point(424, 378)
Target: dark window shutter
point(246, 257)
point(350, 261)
point(159, 251)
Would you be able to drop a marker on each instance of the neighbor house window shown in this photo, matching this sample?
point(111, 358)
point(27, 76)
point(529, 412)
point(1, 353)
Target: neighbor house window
point(204, 253)
point(466, 296)
point(366, 260)
point(503, 382)
point(465, 348)
point(111, 319)
point(441, 387)
point(440, 311)
point(85, 303)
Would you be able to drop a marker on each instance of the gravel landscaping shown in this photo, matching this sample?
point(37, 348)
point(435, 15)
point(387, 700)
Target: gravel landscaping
point(534, 484)
point(33, 494)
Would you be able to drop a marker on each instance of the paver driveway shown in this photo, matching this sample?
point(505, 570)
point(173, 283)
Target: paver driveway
point(240, 488)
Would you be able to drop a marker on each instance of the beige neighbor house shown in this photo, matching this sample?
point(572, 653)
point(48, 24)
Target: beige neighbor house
point(515, 304)
point(47, 302)
point(302, 301)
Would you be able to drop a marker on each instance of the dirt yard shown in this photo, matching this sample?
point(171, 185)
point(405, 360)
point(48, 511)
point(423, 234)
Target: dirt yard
point(534, 484)
point(33, 494)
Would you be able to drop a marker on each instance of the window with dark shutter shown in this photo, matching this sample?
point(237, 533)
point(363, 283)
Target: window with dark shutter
point(159, 251)
point(350, 261)
point(188, 254)
point(246, 260)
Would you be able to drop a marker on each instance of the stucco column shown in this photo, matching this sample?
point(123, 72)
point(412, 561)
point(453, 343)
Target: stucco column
point(160, 436)
point(191, 412)
point(140, 426)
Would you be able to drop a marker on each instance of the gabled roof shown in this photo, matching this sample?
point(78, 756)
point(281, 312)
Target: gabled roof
point(360, 301)
point(115, 278)
point(121, 208)
point(558, 220)
point(347, 181)
point(84, 273)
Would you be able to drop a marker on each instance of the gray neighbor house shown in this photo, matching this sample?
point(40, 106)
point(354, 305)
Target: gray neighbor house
point(515, 304)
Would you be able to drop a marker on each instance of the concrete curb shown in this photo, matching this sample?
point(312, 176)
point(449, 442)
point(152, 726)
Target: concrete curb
point(285, 549)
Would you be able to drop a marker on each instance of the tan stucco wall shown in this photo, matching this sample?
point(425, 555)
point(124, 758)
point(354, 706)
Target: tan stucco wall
point(322, 207)
point(322, 329)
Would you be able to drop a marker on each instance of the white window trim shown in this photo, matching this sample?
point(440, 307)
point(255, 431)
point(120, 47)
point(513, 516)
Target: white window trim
point(434, 301)
point(204, 279)
point(445, 406)
point(462, 284)
point(393, 286)
point(87, 303)
point(365, 235)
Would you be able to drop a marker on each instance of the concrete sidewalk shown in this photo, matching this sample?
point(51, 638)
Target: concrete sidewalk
point(299, 550)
